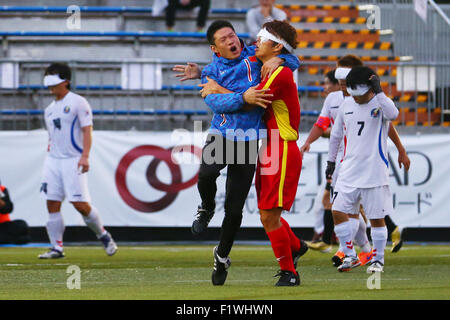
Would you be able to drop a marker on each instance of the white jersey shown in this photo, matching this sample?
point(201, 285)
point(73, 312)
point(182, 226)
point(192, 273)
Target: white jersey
point(64, 119)
point(365, 129)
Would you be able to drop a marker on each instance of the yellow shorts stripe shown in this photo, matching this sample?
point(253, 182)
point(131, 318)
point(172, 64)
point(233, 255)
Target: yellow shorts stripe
point(283, 173)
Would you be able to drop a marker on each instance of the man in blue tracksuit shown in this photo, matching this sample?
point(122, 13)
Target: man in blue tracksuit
point(233, 137)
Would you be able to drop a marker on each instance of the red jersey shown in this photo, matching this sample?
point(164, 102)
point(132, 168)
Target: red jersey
point(278, 170)
point(284, 112)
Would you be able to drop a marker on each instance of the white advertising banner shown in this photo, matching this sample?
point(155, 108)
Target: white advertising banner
point(133, 180)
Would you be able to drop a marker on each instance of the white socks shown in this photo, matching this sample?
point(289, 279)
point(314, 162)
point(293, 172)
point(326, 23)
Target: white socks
point(94, 223)
point(361, 236)
point(344, 233)
point(55, 230)
point(354, 224)
point(379, 239)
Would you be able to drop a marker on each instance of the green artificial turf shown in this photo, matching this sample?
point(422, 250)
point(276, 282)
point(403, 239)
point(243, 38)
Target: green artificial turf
point(184, 273)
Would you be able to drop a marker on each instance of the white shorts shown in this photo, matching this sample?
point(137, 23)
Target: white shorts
point(61, 179)
point(376, 202)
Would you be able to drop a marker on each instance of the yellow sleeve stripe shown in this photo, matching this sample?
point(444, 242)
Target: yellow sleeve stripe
point(272, 77)
point(281, 112)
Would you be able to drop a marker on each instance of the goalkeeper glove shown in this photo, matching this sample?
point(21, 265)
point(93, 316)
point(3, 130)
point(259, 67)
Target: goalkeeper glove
point(330, 169)
point(375, 84)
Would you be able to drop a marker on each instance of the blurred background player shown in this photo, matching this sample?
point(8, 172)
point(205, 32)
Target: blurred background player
point(11, 231)
point(174, 5)
point(69, 124)
point(322, 200)
point(364, 175)
point(257, 16)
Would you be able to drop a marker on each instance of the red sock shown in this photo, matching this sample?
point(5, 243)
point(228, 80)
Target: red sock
point(280, 241)
point(294, 241)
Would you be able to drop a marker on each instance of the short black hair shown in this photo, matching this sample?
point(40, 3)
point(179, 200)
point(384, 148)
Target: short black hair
point(349, 61)
point(331, 77)
point(61, 69)
point(283, 30)
point(359, 75)
point(217, 25)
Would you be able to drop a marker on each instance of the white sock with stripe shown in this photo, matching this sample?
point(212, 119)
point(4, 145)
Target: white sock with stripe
point(55, 230)
point(344, 233)
point(94, 222)
point(379, 238)
point(354, 224)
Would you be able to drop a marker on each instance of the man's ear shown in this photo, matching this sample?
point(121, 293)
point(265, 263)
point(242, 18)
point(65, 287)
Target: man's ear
point(214, 49)
point(278, 48)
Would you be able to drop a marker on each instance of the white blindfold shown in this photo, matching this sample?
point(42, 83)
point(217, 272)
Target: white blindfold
point(361, 89)
point(341, 73)
point(265, 35)
point(52, 80)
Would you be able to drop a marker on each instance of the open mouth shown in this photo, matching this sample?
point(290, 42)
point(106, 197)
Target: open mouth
point(233, 49)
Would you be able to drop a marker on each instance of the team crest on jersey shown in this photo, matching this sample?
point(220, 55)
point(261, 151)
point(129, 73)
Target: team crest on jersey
point(375, 112)
point(66, 109)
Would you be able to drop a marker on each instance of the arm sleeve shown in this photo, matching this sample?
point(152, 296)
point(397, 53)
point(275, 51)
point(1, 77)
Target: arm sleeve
point(84, 113)
point(324, 119)
point(221, 103)
point(225, 103)
point(390, 111)
point(8, 207)
point(336, 135)
point(291, 61)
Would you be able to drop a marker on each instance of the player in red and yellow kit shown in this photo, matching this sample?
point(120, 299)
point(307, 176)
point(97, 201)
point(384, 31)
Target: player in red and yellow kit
point(279, 161)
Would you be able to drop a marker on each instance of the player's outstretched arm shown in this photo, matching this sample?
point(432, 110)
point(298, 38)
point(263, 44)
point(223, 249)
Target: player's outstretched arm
point(189, 71)
point(402, 155)
point(314, 134)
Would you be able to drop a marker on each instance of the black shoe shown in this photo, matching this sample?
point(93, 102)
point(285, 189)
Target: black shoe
point(297, 254)
point(201, 222)
point(337, 261)
point(287, 279)
point(220, 272)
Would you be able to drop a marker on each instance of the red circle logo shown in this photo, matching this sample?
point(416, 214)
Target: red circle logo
point(159, 154)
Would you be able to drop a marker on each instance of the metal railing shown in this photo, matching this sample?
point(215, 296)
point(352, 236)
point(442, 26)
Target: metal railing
point(109, 87)
point(106, 85)
point(95, 9)
point(427, 42)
